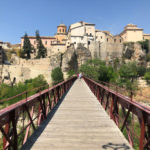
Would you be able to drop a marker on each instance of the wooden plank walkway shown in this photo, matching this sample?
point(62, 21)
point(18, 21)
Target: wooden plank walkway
point(80, 123)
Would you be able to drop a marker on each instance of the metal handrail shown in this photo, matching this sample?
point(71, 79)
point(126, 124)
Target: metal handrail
point(18, 121)
point(130, 116)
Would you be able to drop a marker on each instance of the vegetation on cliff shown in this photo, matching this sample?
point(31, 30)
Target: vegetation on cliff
point(7, 91)
point(124, 75)
point(57, 75)
point(27, 47)
point(41, 50)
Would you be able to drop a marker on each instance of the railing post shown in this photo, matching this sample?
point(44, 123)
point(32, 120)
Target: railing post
point(15, 137)
point(26, 95)
point(131, 96)
point(4, 138)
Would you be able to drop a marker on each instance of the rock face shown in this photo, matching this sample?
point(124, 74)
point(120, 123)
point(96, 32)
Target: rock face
point(73, 58)
point(27, 69)
point(134, 52)
point(55, 61)
point(83, 54)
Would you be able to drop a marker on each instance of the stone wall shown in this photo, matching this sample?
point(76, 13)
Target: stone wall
point(22, 69)
point(134, 52)
point(105, 50)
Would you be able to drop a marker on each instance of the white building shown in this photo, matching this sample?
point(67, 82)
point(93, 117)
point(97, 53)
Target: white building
point(81, 32)
point(5, 45)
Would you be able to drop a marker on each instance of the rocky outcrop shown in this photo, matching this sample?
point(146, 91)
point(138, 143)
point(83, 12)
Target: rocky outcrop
point(73, 58)
point(134, 52)
point(83, 54)
point(22, 69)
point(55, 61)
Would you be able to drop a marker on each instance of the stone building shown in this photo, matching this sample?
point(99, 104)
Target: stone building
point(5, 45)
point(53, 44)
point(61, 34)
point(1, 55)
point(146, 36)
point(100, 43)
point(46, 40)
point(107, 45)
point(81, 32)
point(132, 33)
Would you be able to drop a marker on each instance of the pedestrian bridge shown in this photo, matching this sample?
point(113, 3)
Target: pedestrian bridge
point(76, 114)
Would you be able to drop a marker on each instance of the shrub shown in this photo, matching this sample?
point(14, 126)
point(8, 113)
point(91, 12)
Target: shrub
point(57, 75)
point(148, 57)
point(70, 73)
point(141, 71)
point(147, 77)
point(144, 45)
point(7, 91)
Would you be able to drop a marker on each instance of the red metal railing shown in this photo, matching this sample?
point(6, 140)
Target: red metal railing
point(20, 120)
point(131, 117)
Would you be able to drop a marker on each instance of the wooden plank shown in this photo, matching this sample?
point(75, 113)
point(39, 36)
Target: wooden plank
point(80, 123)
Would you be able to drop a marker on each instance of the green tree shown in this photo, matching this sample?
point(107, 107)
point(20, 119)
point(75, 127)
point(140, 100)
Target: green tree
point(147, 77)
point(7, 91)
point(128, 74)
point(98, 70)
point(27, 47)
point(57, 75)
point(70, 73)
point(141, 70)
point(145, 45)
point(41, 50)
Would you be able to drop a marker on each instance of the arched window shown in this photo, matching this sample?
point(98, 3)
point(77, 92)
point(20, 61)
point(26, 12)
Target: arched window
point(63, 30)
point(115, 40)
point(45, 42)
point(59, 30)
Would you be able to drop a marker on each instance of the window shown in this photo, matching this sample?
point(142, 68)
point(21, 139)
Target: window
point(74, 42)
point(63, 30)
point(59, 30)
point(115, 40)
point(101, 37)
point(58, 49)
point(88, 42)
point(45, 42)
point(34, 42)
point(107, 39)
point(120, 41)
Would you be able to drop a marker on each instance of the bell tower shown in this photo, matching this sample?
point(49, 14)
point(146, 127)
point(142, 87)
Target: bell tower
point(61, 35)
point(62, 29)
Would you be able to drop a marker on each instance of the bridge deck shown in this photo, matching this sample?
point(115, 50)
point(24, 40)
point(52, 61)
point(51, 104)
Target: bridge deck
point(80, 123)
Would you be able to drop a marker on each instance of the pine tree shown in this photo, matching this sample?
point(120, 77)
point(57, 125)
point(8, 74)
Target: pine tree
point(40, 47)
point(27, 47)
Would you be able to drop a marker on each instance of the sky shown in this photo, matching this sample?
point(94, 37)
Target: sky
point(18, 17)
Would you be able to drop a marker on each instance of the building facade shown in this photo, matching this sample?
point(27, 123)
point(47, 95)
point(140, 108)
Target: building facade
point(53, 44)
point(100, 43)
point(132, 33)
point(81, 32)
point(146, 36)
